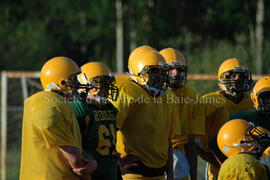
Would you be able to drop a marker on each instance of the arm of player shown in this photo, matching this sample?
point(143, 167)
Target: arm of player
point(90, 161)
point(169, 169)
point(207, 156)
point(80, 165)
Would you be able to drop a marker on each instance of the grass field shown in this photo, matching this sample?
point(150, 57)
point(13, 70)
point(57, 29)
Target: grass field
point(13, 163)
point(13, 166)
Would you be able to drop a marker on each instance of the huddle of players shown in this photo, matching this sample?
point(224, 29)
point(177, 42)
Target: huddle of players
point(131, 116)
point(69, 129)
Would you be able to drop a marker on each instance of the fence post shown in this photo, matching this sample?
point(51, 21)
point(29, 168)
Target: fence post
point(3, 125)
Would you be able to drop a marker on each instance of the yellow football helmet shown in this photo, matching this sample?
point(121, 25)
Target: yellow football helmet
point(238, 136)
point(149, 69)
point(99, 79)
point(59, 74)
point(261, 89)
point(230, 68)
point(177, 62)
point(139, 50)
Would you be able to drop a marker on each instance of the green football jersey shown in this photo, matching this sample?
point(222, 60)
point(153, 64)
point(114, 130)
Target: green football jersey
point(254, 116)
point(98, 128)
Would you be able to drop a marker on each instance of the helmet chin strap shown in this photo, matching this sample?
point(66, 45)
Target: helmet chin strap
point(234, 91)
point(226, 87)
point(155, 91)
point(175, 85)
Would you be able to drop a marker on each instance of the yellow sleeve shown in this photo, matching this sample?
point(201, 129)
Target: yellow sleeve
point(196, 124)
point(123, 106)
point(177, 122)
point(191, 113)
point(54, 128)
point(176, 127)
point(181, 130)
point(215, 117)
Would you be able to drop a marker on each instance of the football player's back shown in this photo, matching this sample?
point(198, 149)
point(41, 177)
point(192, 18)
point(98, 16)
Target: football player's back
point(50, 127)
point(44, 110)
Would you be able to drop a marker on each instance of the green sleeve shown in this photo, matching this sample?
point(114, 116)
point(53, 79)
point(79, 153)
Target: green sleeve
point(247, 115)
point(81, 115)
point(239, 115)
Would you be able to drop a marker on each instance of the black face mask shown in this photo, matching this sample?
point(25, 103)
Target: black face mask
point(259, 137)
point(240, 85)
point(157, 78)
point(264, 102)
point(108, 83)
point(156, 81)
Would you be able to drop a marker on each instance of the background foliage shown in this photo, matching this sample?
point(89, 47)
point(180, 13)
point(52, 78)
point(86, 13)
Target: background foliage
point(207, 31)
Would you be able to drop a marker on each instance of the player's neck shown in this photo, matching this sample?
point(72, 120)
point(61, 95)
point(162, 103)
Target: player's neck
point(236, 98)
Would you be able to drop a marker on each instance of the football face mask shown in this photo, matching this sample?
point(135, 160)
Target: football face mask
point(256, 139)
point(237, 81)
point(264, 101)
point(156, 79)
point(104, 87)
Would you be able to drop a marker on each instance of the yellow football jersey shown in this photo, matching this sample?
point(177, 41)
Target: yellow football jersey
point(242, 166)
point(145, 123)
point(218, 110)
point(221, 101)
point(191, 114)
point(48, 122)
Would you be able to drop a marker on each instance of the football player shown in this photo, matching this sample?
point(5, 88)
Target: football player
point(234, 80)
point(97, 117)
point(145, 120)
point(260, 96)
point(190, 113)
point(51, 140)
point(243, 143)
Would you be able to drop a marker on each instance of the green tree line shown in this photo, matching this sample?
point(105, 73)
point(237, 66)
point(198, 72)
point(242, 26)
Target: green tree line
point(206, 31)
